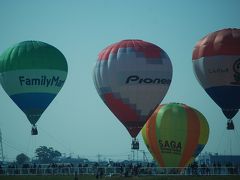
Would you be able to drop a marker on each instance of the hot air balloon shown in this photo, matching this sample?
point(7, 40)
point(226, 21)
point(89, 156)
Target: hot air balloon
point(32, 73)
point(216, 63)
point(132, 78)
point(175, 134)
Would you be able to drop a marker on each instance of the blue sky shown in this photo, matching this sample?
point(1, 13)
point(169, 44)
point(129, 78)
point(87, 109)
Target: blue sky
point(77, 122)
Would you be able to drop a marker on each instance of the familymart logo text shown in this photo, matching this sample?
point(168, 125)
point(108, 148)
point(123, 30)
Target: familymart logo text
point(41, 81)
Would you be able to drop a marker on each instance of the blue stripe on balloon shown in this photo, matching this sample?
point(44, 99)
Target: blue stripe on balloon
point(226, 97)
point(33, 100)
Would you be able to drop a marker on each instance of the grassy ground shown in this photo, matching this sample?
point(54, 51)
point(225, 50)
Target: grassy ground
point(130, 178)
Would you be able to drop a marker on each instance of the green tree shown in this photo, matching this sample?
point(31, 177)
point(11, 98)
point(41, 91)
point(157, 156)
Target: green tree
point(22, 158)
point(46, 154)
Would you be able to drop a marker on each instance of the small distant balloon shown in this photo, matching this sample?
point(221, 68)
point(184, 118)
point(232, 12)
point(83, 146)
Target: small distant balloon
point(175, 134)
point(32, 73)
point(216, 63)
point(132, 77)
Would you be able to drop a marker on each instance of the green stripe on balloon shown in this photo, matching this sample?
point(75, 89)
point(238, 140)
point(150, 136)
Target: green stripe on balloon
point(204, 128)
point(172, 128)
point(42, 56)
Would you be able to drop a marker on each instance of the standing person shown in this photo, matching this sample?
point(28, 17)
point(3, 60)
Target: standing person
point(219, 167)
point(214, 168)
point(207, 169)
point(75, 175)
point(101, 173)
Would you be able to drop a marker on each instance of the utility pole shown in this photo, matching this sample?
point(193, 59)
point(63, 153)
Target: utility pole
point(145, 159)
point(1, 146)
point(99, 158)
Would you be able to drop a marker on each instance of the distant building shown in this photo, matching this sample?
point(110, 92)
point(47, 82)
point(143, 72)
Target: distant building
point(210, 159)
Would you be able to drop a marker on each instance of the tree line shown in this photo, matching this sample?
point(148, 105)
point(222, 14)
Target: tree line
point(43, 155)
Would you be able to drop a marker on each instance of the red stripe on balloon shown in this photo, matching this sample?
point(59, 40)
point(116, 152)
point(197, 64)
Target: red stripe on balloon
point(152, 137)
point(148, 49)
point(128, 116)
point(222, 42)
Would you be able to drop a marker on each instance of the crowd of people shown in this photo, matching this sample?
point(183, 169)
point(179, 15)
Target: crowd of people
point(214, 168)
point(117, 168)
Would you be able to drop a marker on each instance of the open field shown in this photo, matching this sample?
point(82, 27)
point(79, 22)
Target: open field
point(132, 178)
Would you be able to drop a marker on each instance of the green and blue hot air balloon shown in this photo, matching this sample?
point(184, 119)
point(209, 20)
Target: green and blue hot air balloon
point(32, 73)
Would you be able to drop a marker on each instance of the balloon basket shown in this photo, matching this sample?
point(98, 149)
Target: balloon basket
point(34, 131)
point(135, 144)
point(230, 125)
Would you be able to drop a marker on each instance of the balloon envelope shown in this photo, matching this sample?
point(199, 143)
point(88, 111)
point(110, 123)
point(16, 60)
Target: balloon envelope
point(32, 73)
point(216, 63)
point(175, 134)
point(132, 77)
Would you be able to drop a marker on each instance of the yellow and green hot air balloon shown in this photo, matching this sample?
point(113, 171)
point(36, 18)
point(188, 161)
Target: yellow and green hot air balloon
point(32, 73)
point(175, 134)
